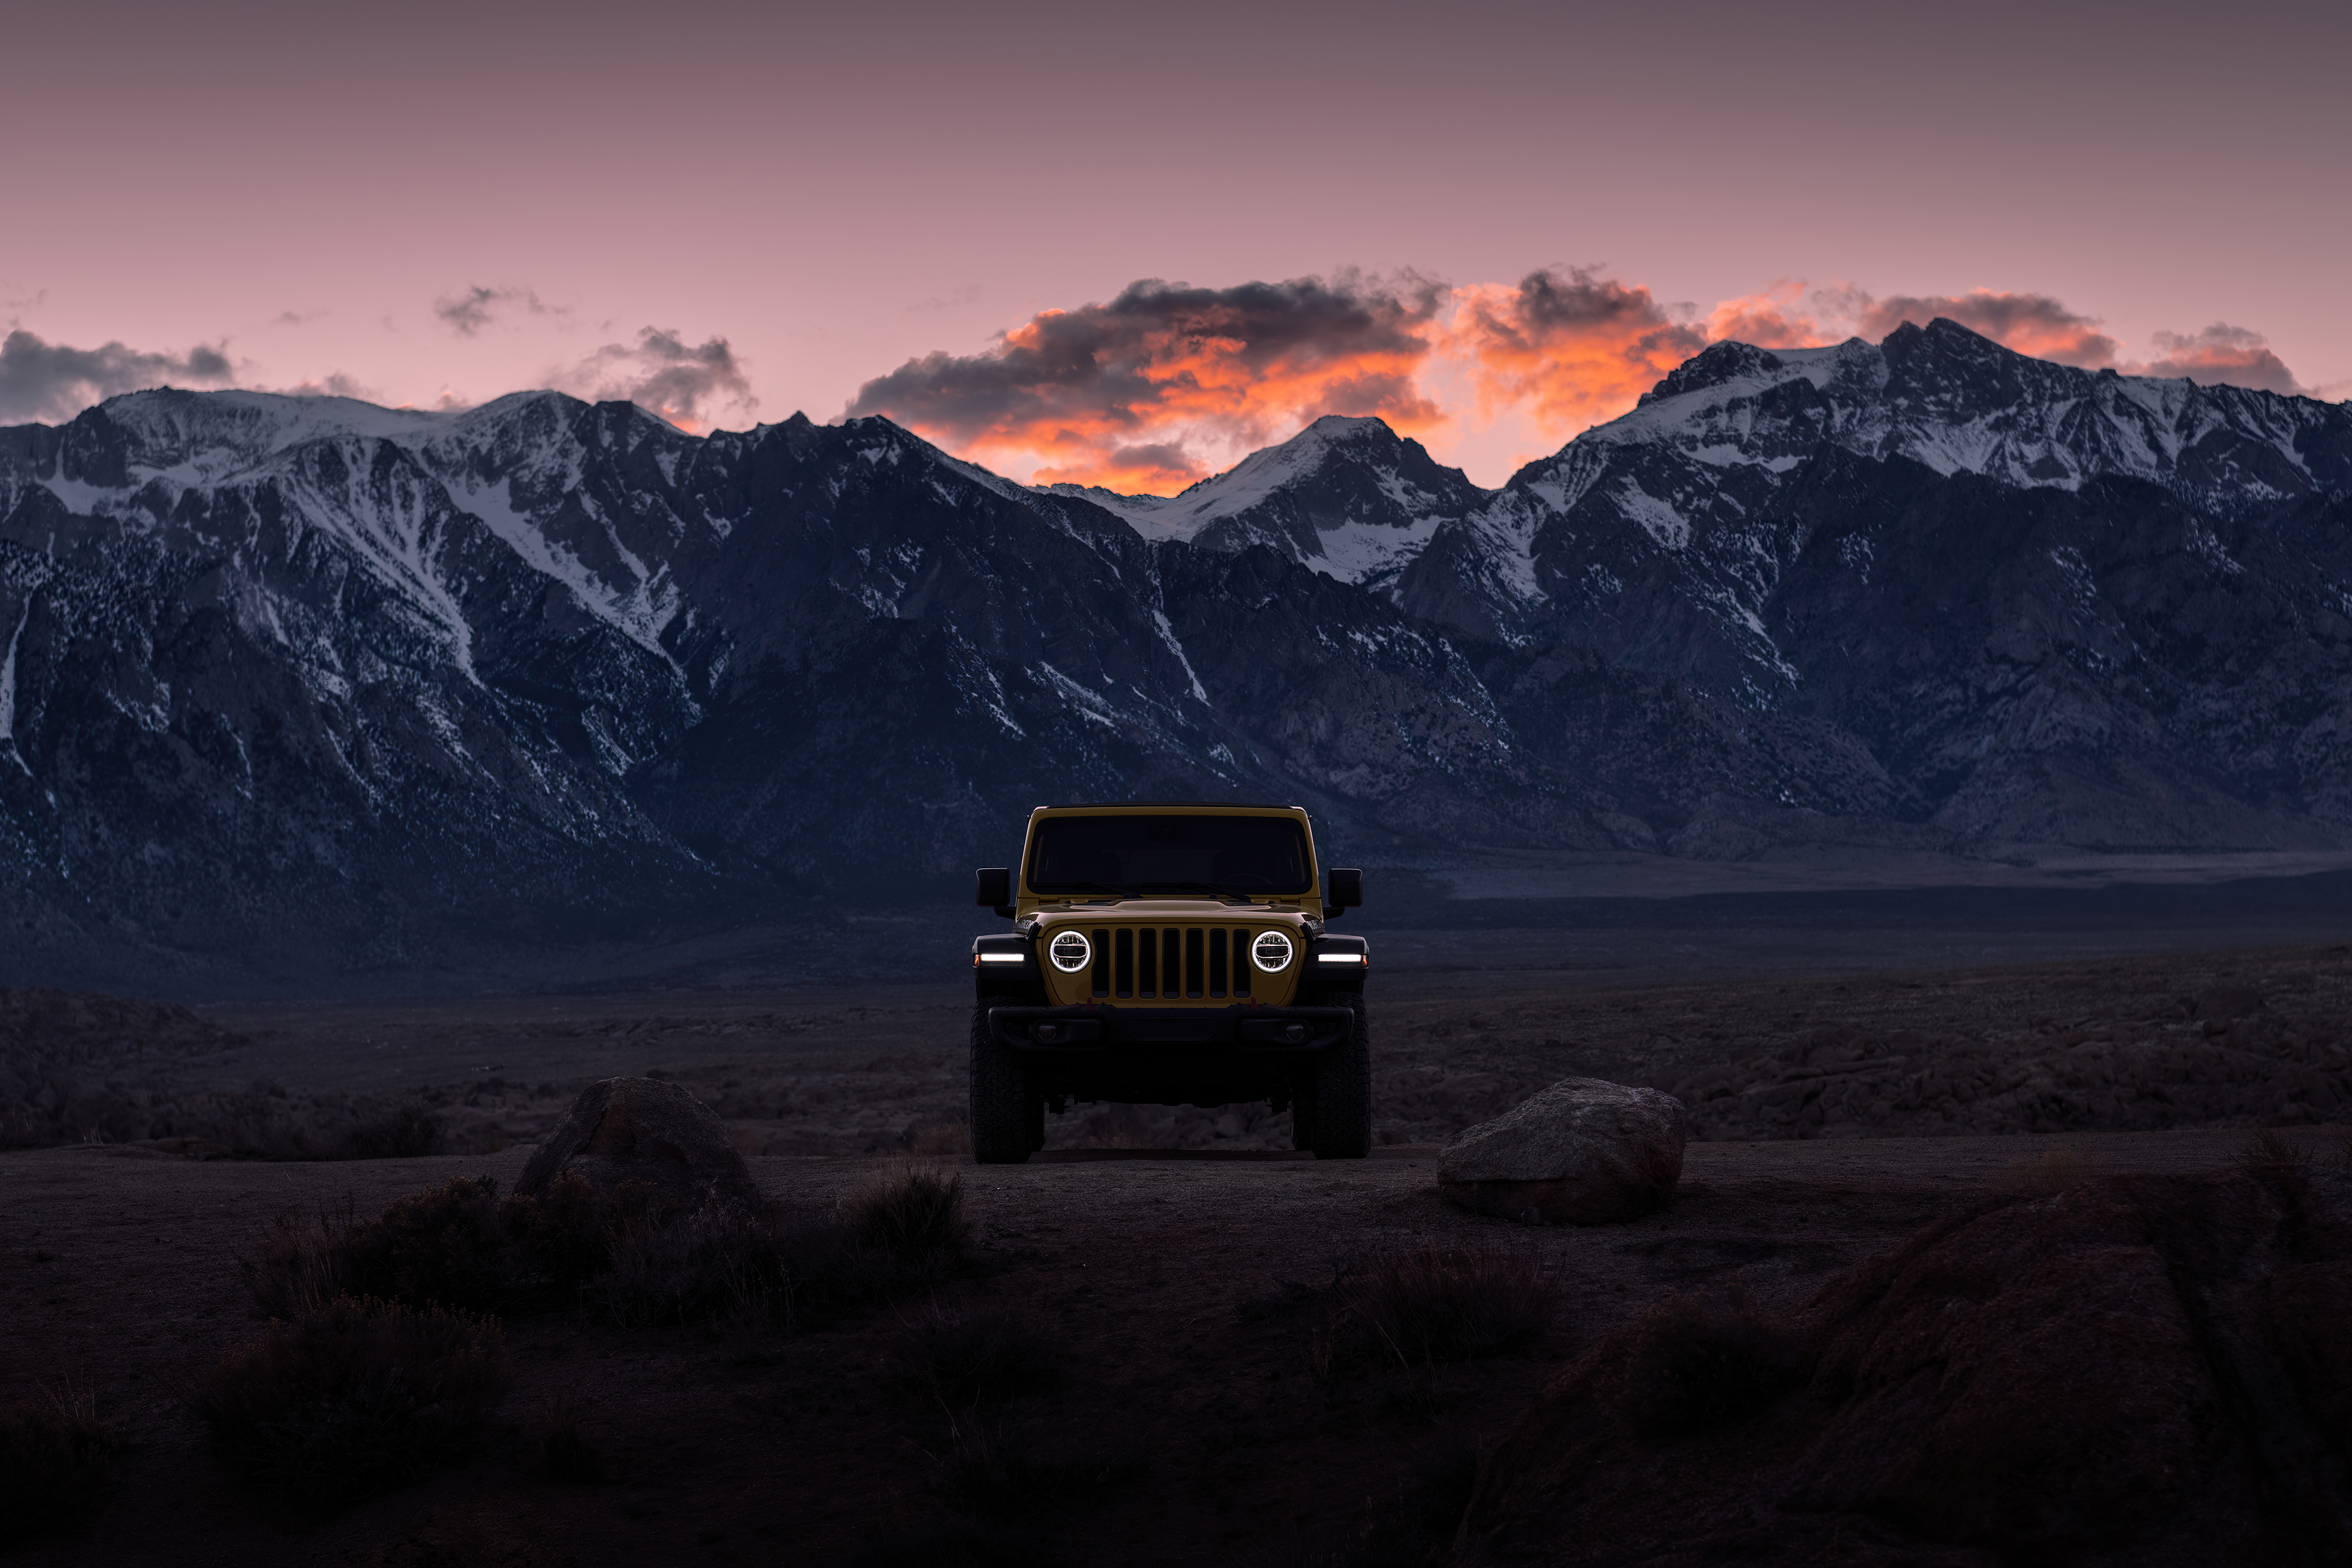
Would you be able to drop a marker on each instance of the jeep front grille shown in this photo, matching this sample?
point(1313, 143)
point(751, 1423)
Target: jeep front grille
point(1188, 962)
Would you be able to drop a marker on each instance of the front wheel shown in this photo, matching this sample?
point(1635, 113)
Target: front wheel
point(999, 1099)
point(1339, 1127)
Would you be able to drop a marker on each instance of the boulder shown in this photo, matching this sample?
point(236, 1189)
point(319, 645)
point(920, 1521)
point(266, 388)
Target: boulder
point(2131, 1372)
point(650, 1135)
point(1583, 1152)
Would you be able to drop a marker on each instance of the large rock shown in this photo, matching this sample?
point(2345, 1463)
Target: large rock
point(1583, 1152)
point(2136, 1372)
point(641, 1131)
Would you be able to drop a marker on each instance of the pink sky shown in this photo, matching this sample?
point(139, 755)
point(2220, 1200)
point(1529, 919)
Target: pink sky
point(431, 200)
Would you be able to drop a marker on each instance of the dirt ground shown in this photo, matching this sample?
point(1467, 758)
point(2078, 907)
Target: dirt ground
point(2245, 1038)
point(1182, 1294)
point(1181, 1259)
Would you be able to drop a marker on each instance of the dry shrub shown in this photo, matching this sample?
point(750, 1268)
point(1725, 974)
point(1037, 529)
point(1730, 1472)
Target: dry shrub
point(302, 1263)
point(453, 1245)
point(2272, 1153)
point(627, 1252)
point(445, 1247)
point(1701, 1361)
point(1016, 1470)
point(477, 1535)
point(914, 1215)
point(55, 1461)
point(565, 1448)
point(354, 1399)
point(710, 1264)
point(1413, 1527)
point(951, 1543)
point(2045, 1174)
point(405, 1130)
point(565, 1232)
point(1438, 1301)
point(965, 1358)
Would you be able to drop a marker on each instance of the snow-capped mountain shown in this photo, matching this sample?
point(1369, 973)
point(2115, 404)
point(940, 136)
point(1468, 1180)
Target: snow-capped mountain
point(310, 684)
point(1348, 497)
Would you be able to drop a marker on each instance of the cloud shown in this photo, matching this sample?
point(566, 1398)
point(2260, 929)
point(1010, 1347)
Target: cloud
point(1167, 381)
point(959, 299)
point(42, 380)
point(2032, 324)
point(687, 384)
point(468, 312)
point(1143, 391)
point(334, 385)
point(1778, 317)
point(2221, 352)
point(1571, 347)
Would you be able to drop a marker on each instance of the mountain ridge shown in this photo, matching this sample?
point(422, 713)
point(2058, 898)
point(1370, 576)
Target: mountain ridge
point(358, 686)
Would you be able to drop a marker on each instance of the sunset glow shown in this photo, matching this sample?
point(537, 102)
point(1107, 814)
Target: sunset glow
point(1046, 237)
point(1167, 383)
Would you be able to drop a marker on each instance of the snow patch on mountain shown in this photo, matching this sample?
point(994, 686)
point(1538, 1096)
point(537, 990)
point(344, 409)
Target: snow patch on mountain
point(8, 683)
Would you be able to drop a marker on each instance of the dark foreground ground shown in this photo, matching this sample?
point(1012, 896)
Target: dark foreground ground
point(1182, 1263)
point(1185, 1299)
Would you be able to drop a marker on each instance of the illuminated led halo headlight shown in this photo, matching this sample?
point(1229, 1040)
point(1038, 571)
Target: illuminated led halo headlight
point(1271, 952)
point(1070, 952)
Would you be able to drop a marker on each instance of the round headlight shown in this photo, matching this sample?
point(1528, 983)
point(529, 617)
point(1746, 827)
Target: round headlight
point(1271, 952)
point(1070, 952)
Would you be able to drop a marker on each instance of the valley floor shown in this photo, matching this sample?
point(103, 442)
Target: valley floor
point(1184, 1295)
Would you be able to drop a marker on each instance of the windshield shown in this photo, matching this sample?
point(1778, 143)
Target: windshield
point(1248, 856)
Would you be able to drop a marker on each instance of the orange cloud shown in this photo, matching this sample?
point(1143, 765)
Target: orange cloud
point(1144, 391)
point(1159, 387)
point(2221, 352)
point(1770, 320)
point(1570, 349)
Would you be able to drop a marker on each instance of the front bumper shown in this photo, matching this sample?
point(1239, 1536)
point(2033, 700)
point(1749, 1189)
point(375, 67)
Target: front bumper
point(1083, 1030)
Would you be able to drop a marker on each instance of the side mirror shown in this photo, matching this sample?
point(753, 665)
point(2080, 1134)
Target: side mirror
point(1347, 889)
point(991, 887)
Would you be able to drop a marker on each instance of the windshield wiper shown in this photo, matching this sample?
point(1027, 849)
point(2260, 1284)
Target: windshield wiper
point(1115, 892)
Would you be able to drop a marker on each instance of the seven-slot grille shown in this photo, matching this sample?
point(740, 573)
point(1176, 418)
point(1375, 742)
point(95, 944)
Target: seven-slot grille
point(1172, 962)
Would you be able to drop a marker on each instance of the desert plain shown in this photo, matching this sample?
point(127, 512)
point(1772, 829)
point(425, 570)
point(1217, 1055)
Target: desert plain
point(1200, 1399)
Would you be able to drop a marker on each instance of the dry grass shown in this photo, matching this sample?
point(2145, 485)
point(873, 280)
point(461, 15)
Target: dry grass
point(565, 1450)
point(2045, 1174)
point(445, 1247)
point(711, 1264)
point(353, 1400)
point(1436, 1301)
point(1018, 1470)
point(904, 1232)
point(55, 1461)
point(962, 1358)
point(1698, 1363)
point(2270, 1152)
point(914, 1213)
point(1411, 1527)
point(946, 1541)
point(454, 1246)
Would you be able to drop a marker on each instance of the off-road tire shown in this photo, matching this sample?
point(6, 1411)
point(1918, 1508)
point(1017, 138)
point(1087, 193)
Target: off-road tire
point(999, 1099)
point(1340, 1126)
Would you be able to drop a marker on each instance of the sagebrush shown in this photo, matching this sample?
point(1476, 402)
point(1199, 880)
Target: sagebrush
point(1435, 1302)
point(56, 1461)
point(354, 1399)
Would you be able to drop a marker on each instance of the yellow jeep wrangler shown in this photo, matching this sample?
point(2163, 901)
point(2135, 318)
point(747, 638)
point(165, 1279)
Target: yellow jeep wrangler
point(1169, 953)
